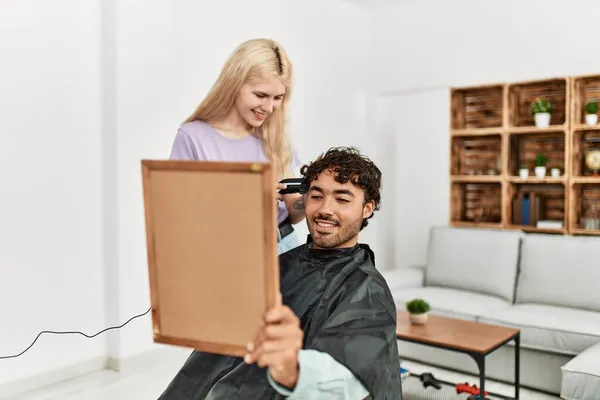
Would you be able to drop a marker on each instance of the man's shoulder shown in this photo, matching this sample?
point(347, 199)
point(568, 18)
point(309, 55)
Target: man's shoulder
point(375, 282)
point(369, 269)
point(371, 284)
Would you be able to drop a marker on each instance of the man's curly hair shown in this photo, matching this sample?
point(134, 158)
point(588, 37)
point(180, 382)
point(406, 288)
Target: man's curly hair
point(348, 164)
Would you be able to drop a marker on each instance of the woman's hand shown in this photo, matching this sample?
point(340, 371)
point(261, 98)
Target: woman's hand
point(279, 187)
point(294, 202)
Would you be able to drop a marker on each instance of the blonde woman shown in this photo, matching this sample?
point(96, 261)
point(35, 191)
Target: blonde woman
point(243, 118)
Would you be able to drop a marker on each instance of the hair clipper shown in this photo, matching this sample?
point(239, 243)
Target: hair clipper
point(294, 185)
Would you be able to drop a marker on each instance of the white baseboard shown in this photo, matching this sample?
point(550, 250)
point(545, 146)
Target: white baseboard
point(138, 361)
point(11, 389)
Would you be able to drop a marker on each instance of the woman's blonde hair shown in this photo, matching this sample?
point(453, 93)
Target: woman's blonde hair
point(251, 61)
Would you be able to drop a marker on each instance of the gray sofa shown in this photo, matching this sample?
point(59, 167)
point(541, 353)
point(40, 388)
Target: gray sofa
point(546, 285)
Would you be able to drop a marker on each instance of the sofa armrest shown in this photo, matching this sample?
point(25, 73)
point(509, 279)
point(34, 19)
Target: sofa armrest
point(411, 277)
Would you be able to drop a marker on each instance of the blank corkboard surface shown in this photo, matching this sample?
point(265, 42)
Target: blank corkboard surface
point(212, 251)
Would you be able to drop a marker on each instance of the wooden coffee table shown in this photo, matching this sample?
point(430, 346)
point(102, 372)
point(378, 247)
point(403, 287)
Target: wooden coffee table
point(473, 338)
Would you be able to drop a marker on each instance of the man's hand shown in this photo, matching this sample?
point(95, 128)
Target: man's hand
point(277, 344)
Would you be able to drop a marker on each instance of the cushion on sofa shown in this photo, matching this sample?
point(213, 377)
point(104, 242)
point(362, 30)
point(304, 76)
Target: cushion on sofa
point(451, 302)
point(404, 277)
point(556, 329)
point(479, 260)
point(581, 376)
point(560, 271)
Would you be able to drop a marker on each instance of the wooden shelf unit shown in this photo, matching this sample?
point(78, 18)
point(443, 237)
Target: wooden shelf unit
point(586, 208)
point(493, 133)
point(477, 202)
point(477, 155)
point(478, 108)
point(584, 139)
point(522, 94)
point(523, 148)
point(542, 201)
point(585, 88)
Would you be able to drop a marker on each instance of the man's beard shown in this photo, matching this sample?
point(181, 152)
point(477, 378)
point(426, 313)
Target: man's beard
point(328, 240)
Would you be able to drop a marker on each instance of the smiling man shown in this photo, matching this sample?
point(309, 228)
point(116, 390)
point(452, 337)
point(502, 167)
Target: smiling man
point(344, 191)
point(333, 335)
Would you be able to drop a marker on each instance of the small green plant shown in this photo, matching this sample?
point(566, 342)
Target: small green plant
point(541, 106)
point(417, 306)
point(540, 160)
point(591, 107)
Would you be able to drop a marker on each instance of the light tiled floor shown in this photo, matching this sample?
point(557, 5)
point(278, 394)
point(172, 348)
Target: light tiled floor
point(490, 385)
point(148, 382)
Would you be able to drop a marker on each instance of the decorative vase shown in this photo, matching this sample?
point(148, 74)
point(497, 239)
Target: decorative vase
point(540, 172)
point(555, 172)
point(542, 120)
point(523, 173)
point(591, 119)
point(418, 319)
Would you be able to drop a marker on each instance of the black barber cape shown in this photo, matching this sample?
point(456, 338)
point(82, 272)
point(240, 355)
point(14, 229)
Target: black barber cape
point(345, 309)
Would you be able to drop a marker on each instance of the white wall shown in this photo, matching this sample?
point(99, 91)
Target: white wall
point(113, 80)
point(416, 191)
point(436, 43)
point(420, 49)
point(51, 274)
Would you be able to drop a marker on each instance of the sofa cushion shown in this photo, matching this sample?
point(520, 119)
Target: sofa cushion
point(581, 375)
point(451, 302)
point(404, 277)
point(479, 260)
point(560, 271)
point(556, 329)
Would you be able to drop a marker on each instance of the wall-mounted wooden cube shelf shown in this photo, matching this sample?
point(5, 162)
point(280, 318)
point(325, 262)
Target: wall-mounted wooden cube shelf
point(585, 89)
point(493, 134)
point(477, 155)
point(537, 207)
point(477, 203)
point(524, 148)
point(522, 95)
point(585, 139)
point(585, 213)
point(477, 108)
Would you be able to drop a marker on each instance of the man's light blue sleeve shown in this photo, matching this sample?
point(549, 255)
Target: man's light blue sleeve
point(321, 376)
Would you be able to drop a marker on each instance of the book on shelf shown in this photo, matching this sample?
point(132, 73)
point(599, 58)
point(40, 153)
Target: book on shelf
point(528, 208)
point(550, 224)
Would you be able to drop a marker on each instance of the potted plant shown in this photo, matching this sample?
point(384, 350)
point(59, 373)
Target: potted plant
point(541, 110)
point(591, 110)
point(540, 165)
point(523, 172)
point(418, 310)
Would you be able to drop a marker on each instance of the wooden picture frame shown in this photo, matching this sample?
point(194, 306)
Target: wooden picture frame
point(211, 231)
